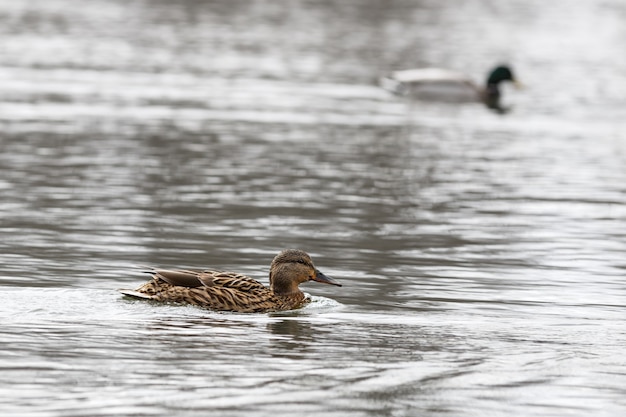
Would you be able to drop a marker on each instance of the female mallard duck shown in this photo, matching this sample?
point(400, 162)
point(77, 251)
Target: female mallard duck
point(229, 291)
point(444, 85)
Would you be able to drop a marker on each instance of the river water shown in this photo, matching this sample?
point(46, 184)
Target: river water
point(482, 255)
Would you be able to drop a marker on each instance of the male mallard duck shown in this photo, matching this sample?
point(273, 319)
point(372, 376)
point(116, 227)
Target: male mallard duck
point(229, 291)
point(445, 85)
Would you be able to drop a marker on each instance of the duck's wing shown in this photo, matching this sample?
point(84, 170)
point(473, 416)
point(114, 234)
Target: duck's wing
point(216, 290)
point(178, 277)
point(207, 278)
point(435, 84)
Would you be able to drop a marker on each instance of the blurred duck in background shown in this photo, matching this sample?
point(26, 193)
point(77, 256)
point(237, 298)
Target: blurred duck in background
point(436, 84)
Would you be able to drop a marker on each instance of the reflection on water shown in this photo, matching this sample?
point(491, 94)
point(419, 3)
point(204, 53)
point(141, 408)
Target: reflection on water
point(481, 255)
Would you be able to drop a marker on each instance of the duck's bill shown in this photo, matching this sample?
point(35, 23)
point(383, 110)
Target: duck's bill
point(324, 279)
point(518, 85)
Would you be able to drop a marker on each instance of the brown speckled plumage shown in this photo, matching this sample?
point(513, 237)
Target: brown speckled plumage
point(229, 291)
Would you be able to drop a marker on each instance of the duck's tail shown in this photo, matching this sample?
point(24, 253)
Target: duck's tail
point(135, 294)
point(391, 85)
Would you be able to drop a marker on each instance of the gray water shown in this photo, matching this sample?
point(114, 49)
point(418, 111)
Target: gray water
point(482, 255)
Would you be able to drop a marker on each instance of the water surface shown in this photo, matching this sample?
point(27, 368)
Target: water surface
point(481, 254)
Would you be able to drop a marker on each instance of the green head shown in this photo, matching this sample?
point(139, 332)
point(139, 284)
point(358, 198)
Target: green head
point(499, 74)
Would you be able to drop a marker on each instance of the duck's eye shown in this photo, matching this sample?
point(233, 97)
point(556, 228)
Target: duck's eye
point(300, 261)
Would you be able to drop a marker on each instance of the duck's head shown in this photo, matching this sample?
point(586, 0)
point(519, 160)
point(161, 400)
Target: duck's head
point(491, 93)
point(499, 74)
point(291, 268)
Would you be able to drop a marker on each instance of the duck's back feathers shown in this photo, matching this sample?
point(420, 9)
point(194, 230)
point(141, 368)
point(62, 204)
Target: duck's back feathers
point(232, 280)
point(432, 84)
point(429, 75)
